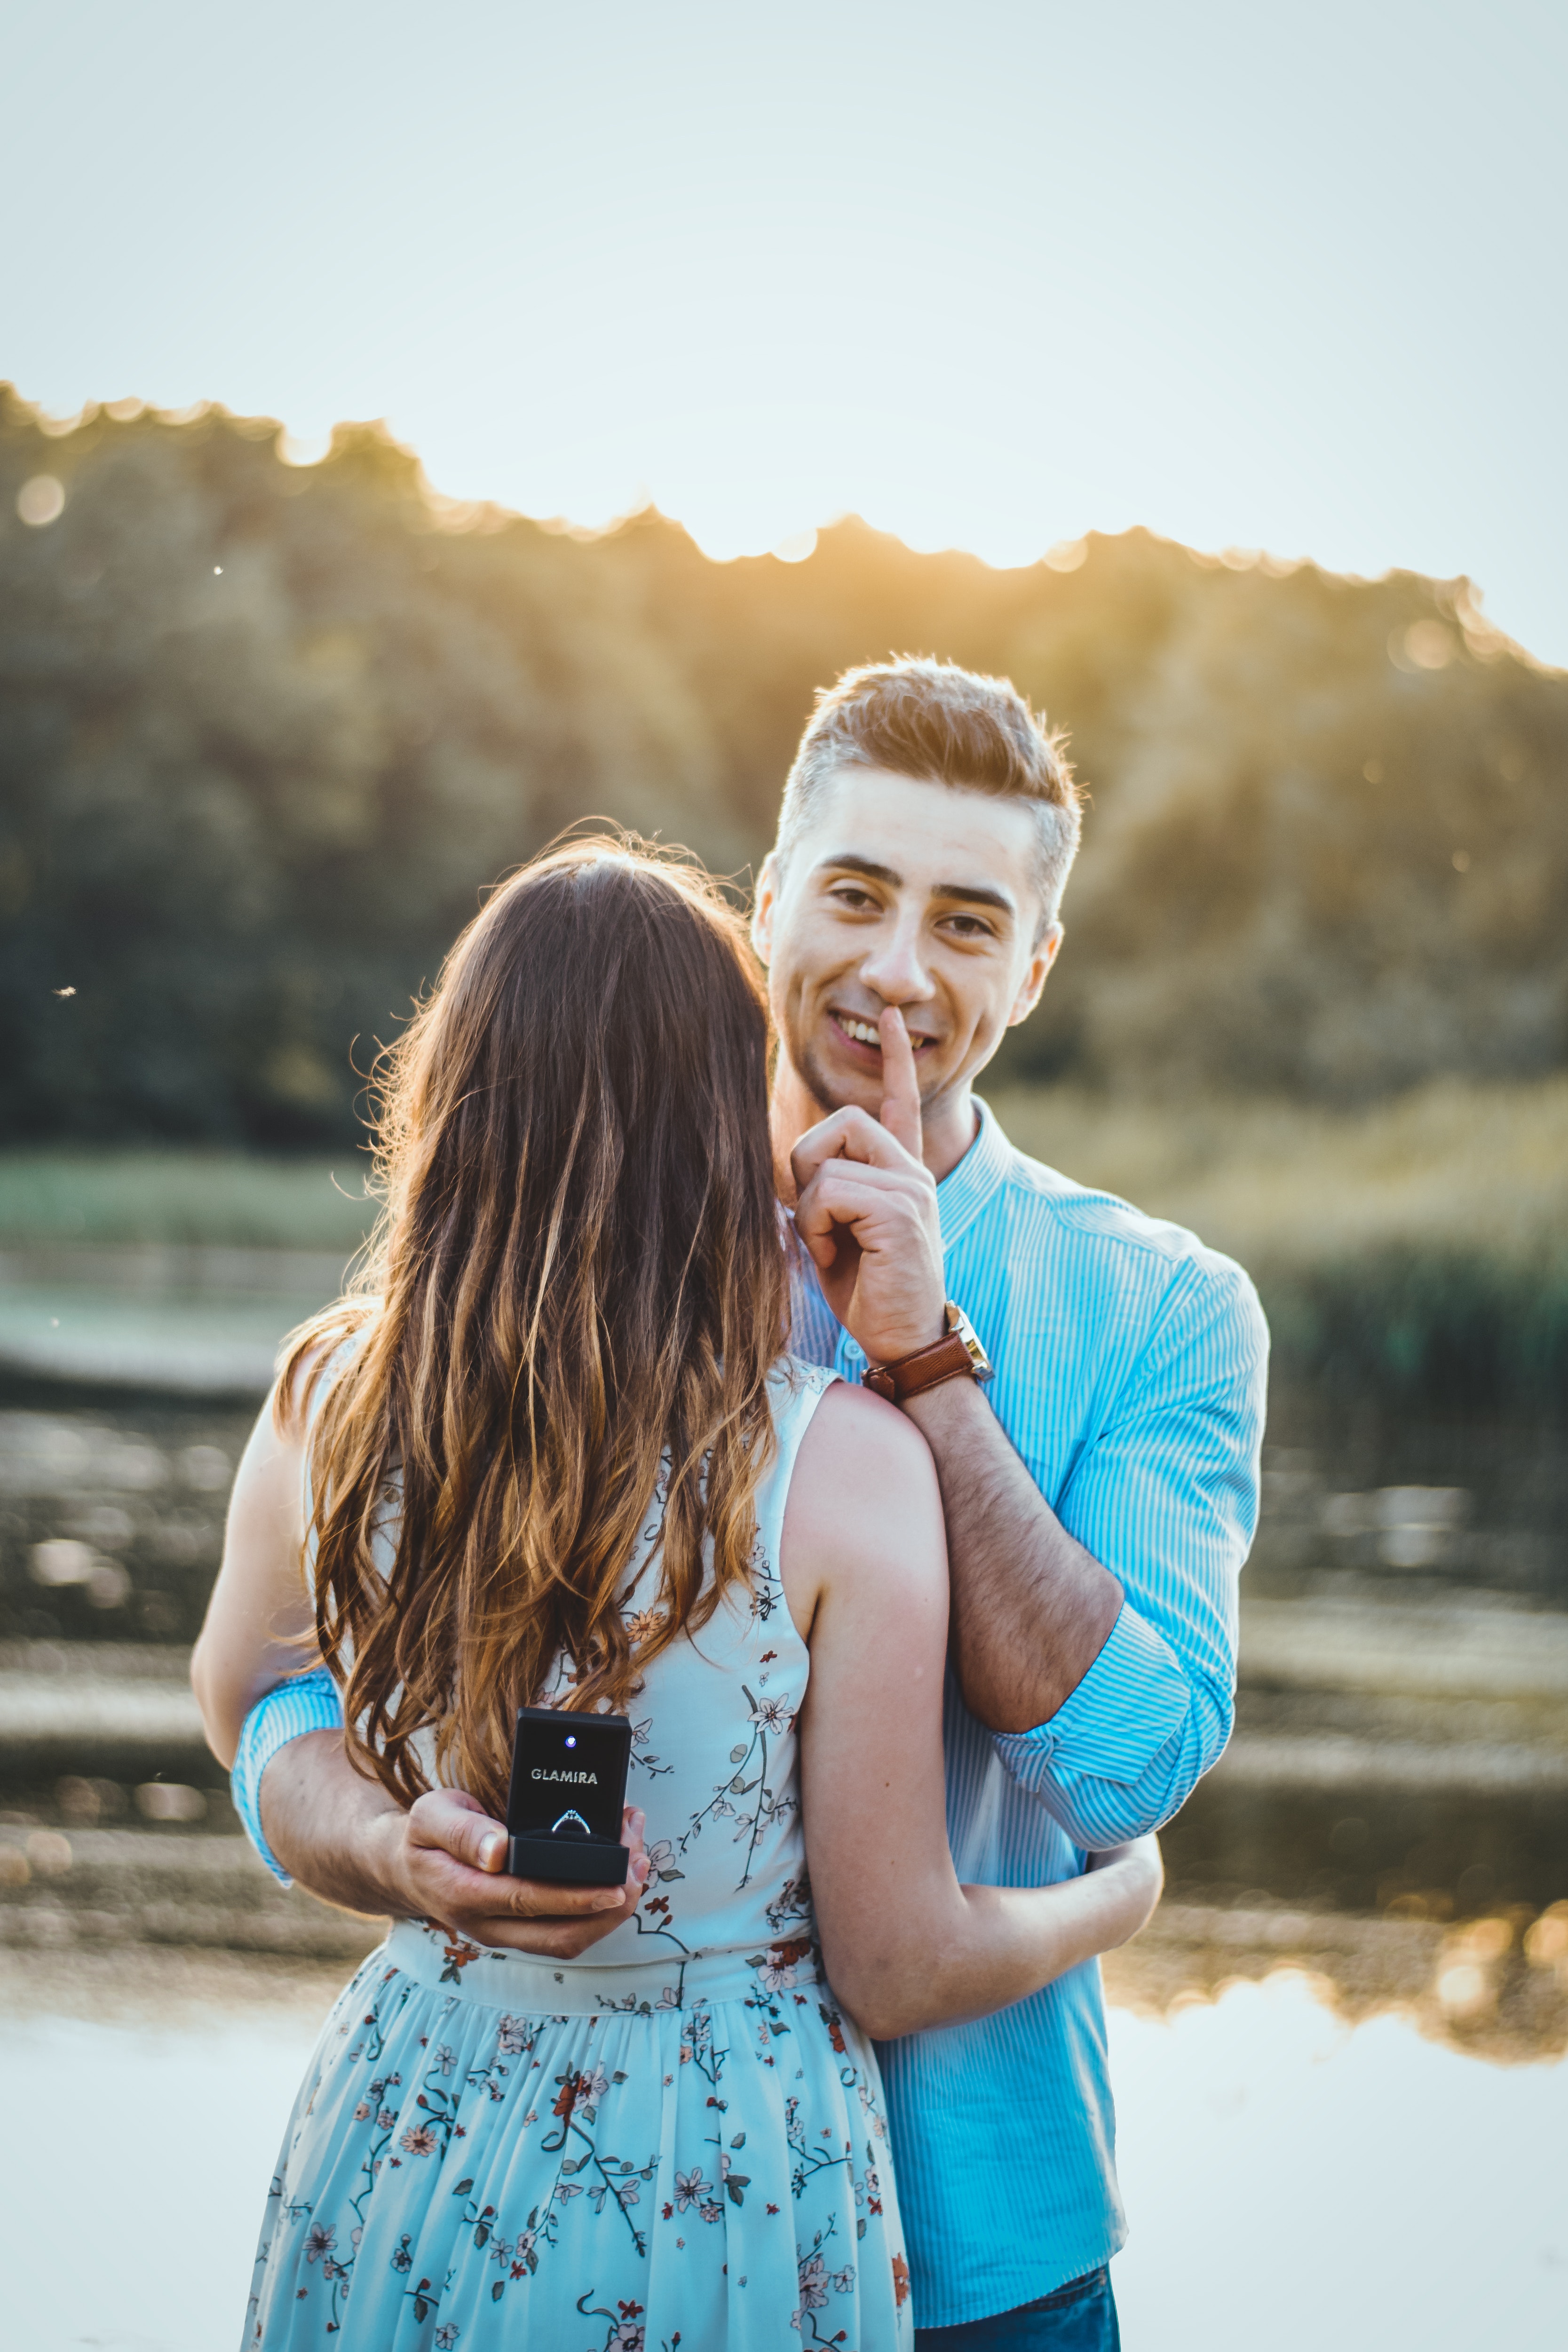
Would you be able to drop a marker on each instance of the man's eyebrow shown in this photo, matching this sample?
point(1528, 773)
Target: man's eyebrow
point(975, 894)
point(848, 863)
point(970, 894)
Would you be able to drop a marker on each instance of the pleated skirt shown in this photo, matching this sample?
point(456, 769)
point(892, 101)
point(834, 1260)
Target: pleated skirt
point(490, 2151)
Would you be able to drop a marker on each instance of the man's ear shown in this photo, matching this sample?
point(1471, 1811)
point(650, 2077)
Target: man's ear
point(764, 908)
point(1047, 949)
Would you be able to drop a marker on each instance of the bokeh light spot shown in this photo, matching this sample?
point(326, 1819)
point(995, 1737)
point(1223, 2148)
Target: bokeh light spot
point(41, 501)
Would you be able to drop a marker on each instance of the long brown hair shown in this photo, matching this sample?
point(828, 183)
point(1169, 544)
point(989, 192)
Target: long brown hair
point(569, 1312)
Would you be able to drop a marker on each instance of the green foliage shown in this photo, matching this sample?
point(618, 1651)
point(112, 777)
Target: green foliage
point(265, 733)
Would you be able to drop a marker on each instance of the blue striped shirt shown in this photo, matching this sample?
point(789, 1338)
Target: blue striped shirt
point(1130, 1368)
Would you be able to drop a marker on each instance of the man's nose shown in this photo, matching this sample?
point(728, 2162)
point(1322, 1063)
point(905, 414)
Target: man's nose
point(896, 970)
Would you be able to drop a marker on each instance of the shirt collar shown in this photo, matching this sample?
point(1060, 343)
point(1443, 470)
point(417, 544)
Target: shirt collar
point(966, 1189)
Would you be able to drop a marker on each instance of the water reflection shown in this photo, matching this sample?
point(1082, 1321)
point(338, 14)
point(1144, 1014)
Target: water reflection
point(1294, 2183)
point(1292, 2180)
point(1410, 1502)
point(1495, 1987)
point(110, 1513)
point(1390, 1816)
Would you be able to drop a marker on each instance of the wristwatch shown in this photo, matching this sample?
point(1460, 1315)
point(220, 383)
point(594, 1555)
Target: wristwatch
point(957, 1350)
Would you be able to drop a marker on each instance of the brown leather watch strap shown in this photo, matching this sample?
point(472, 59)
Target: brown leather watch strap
point(926, 1369)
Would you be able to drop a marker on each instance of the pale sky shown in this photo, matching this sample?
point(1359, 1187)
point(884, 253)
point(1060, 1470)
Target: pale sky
point(990, 275)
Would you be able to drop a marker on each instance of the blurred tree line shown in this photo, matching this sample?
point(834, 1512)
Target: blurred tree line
point(265, 732)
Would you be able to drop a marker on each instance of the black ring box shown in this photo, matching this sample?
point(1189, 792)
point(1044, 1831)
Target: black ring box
point(566, 1851)
point(573, 1861)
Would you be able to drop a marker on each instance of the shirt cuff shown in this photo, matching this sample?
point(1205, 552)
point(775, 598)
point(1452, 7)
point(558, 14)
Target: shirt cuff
point(305, 1703)
point(1132, 1702)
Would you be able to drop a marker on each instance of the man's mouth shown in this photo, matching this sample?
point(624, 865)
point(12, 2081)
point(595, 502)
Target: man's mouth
point(865, 1032)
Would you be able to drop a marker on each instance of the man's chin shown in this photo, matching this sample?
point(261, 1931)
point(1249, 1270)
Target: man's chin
point(850, 1092)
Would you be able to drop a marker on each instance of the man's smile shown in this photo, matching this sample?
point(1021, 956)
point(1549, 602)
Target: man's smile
point(862, 1036)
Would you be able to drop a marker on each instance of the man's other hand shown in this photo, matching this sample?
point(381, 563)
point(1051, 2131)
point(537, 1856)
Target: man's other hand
point(866, 1213)
point(448, 1860)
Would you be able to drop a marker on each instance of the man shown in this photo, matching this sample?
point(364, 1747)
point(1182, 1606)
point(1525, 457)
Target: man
point(1099, 1487)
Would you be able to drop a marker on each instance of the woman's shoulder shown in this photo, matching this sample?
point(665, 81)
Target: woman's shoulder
point(316, 1356)
point(858, 1437)
point(831, 1426)
point(866, 1485)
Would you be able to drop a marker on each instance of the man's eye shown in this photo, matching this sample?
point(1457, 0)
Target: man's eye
point(855, 899)
point(969, 927)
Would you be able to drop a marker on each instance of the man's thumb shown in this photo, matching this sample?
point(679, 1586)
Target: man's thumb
point(458, 1823)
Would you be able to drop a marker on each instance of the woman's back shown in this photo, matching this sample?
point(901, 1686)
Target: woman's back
point(714, 1762)
point(678, 2132)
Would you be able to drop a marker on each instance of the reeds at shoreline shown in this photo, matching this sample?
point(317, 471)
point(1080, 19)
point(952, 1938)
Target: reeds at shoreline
point(1419, 1246)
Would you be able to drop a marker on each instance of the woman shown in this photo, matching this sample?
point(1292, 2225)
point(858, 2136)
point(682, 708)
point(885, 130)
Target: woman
point(555, 1453)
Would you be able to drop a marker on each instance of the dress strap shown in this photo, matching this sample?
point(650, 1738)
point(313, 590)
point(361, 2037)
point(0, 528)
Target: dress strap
point(797, 1389)
point(327, 1372)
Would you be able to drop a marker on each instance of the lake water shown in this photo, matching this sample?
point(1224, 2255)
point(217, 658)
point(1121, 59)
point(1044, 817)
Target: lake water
point(111, 1510)
point(1292, 2183)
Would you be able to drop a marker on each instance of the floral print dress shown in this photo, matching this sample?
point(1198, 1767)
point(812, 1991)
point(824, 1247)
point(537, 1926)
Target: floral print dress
point(678, 2140)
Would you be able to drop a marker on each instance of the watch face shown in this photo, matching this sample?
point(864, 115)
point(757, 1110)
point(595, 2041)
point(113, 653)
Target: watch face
point(958, 1322)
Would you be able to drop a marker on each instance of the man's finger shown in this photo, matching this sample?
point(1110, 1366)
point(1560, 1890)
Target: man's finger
point(532, 1899)
point(848, 1134)
point(497, 1892)
point(900, 1085)
point(844, 1194)
point(448, 1823)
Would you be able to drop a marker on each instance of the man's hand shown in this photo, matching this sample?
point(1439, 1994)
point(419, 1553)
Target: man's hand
point(345, 1838)
point(866, 1211)
point(449, 1859)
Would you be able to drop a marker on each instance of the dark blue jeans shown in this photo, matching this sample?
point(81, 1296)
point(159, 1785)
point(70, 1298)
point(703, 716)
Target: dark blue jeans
point(1078, 2318)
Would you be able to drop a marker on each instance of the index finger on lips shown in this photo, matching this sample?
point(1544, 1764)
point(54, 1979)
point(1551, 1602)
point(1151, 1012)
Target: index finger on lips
point(900, 1084)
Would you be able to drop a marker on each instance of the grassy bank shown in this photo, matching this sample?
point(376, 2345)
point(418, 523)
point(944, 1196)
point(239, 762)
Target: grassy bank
point(103, 1200)
point(1420, 1246)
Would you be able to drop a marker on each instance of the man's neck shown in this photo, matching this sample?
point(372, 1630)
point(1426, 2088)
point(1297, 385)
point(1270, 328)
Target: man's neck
point(948, 1128)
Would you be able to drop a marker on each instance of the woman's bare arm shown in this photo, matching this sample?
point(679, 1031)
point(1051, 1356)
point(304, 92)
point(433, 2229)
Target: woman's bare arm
point(259, 1625)
point(865, 1573)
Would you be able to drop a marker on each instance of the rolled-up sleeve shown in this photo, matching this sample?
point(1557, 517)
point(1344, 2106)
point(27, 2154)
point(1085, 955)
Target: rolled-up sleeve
point(305, 1703)
point(1167, 1498)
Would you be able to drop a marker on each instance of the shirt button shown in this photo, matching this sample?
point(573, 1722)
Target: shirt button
point(853, 1352)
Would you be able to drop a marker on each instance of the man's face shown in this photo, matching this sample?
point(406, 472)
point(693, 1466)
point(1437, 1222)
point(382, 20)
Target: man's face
point(909, 894)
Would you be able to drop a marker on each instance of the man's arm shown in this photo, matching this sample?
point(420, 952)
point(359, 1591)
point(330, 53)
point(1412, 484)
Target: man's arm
point(1167, 1497)
point(1032, 1609)
point(1098, 1643)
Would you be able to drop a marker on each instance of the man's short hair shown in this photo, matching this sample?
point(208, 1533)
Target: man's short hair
point(939, 724)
